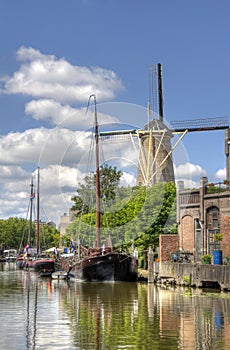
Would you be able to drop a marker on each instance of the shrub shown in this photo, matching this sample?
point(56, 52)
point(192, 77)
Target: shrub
point(206, 259)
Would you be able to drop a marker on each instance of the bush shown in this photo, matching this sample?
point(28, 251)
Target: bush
point(206, 259)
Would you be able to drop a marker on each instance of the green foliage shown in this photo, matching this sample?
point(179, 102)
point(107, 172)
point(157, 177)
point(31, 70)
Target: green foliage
point(139, 214)
point(14, 234)
point(49, 236)
point(84, 200)
point(218, 237)
point(187, 280)
point(206, 259)
point(109, 181)
point(79, 206)
point(217, 187)
point(12, 231)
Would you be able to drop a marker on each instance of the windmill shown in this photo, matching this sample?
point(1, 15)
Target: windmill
point(155, 162)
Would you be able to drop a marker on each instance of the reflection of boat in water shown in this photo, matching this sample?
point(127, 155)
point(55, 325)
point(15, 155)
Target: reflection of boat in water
point(7, 266)
point(60, 275)
point(102, 264)
point(119, 293)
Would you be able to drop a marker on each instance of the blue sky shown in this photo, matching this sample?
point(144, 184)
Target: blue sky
point(55, 53)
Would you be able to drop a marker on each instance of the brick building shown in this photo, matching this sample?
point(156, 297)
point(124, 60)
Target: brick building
point(201, 214)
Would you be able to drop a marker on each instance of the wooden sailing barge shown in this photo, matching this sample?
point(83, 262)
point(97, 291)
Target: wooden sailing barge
point(101, 264)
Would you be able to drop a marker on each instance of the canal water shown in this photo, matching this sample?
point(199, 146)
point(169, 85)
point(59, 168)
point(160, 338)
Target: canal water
point(40, 313)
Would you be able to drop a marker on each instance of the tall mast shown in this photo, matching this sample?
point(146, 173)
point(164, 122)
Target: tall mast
point(31, 209)
point(98, 219)
point(38, 213)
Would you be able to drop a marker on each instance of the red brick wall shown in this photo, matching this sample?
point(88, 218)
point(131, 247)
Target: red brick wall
point(168, 244)
point(187, 238)
point(225, 230)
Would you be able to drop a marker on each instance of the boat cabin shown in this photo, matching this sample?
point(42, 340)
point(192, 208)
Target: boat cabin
point(10, 254)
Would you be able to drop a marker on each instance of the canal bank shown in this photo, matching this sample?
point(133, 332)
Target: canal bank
point(192, 274)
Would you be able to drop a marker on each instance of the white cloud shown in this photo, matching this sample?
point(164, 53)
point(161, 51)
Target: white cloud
point(190, 183)
point(44, 146)
point(15, 187)
point(189, 170)
point(45, 76)
point(57, 113)
point(221, 174)
point(57, 185)
point(63, 156)
point(30, 54)
point(12, 172)
point(128, 180)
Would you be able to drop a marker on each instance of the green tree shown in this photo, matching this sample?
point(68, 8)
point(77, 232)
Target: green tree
point(14, 234)
point(84, 200)
point(49, 236)
point(141, 214)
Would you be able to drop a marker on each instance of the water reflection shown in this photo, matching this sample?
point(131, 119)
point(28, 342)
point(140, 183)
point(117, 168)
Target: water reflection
point(49, 314)
point(31, 312)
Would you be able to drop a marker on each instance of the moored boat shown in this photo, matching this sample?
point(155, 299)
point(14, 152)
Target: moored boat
point(10, 255)
point(39, 264)
point(20, 261)
point(109, 267)
point(101, 264)
point(31, 257)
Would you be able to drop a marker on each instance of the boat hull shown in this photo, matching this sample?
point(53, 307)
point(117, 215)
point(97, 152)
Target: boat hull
point(20, 262)
point(107, 267)
point(38, 265)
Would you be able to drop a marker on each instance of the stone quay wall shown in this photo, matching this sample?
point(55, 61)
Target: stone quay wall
point(198, 274)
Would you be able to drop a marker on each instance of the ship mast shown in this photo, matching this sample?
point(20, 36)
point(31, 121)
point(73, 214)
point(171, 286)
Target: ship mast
point(31, 209)
point(96, 135)
point(38, 212)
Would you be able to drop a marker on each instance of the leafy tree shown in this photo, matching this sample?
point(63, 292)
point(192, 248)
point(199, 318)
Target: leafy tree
point(109, 181)
point(84, 200)
point(49, 236)
point(140, 216)
point(14, 234)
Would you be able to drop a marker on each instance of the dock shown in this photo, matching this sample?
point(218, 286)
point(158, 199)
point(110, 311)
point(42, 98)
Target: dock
point(191, 274)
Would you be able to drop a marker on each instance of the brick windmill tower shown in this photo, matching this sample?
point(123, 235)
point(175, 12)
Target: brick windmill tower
point(155, 162)
point(155, 159)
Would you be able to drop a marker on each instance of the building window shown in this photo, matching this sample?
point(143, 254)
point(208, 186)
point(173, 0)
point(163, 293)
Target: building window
point(213, 222)
point(213, 226)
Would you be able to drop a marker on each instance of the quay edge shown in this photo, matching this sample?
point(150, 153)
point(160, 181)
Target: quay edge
point(199, 275)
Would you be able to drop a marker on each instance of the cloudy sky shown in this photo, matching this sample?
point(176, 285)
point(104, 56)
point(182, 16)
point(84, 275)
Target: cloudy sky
point(55, 54)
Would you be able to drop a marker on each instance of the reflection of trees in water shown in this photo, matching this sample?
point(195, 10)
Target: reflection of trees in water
point(112, 314)
point(144, 316)
point(116, 315)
